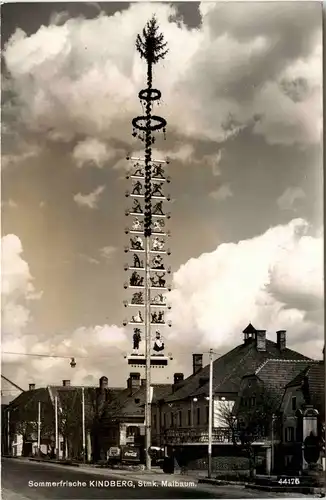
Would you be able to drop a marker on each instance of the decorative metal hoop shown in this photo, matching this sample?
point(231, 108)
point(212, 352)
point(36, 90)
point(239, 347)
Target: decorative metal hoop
point(150, 94)
point(161, 123)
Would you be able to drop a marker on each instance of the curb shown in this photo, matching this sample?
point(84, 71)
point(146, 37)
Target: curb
point(56, 462)
point(220, 482)
point(305, 490)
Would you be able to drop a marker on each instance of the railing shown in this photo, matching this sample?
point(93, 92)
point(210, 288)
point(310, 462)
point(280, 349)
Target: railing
point(185, 435)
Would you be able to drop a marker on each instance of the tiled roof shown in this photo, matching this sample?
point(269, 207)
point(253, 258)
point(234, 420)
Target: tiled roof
point(229, 369)
point(277, 373)
point(315, 376)
point(125, 404)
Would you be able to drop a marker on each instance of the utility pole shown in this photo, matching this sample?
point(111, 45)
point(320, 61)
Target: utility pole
point(56, 427)
point(39, 428)
point(151, 47)
point(210, 416)
point(83, 425)
point(8, 432)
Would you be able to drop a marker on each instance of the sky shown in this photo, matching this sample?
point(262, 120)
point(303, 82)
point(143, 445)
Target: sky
point(242, 95)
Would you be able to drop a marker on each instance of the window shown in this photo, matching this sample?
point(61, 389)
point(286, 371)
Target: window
point(198, 416)
point(294, 403)
point(207, 414)
point(137, 401)
point(180, 419)
point(164, 420)
point(154, 422)
point(253, 401)
point(189, 418)
point(172, 419)
point(289, 434)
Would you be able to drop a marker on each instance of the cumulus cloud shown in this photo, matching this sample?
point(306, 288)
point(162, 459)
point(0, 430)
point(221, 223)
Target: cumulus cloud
point(89, 200)
point(246, 65)
point(17, 290)
point(289, 197)
point(272, 280)
point(91, 152)
point(91, 346)
point(222, 193)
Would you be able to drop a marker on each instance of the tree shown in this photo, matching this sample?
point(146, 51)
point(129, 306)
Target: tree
point(250, 421)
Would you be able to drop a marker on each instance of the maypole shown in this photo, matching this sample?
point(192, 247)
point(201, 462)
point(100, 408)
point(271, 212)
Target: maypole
point(149, 221)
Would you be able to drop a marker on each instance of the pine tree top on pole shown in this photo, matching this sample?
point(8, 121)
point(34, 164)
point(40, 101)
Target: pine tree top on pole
point(151, 45)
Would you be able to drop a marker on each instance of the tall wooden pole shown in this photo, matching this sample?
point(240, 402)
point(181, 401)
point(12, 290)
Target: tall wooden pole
point(39, 428)
point(83, 424)
point(56, 427)
point(210, 417)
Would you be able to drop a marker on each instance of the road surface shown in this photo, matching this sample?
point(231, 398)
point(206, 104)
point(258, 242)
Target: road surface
point(24, 480)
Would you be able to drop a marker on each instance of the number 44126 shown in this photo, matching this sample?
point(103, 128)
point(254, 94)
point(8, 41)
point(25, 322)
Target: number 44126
point(289, 481)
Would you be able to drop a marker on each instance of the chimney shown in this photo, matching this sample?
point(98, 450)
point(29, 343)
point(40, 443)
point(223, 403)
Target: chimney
point(133, 382)
point(261, 340)
point(66, 383)
point(31, 387)
point(197, 363)
point(178, 377)
point(281, 339)
point(103, 383)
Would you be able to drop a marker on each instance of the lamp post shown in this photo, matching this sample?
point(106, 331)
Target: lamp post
point(83, 424)
point(56, 427)
point(8, 432)
point(210, 416)
point(39, 428)
point(272, 444)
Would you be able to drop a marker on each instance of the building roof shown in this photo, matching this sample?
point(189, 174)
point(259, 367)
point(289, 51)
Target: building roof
point(131, 405)
point(229, 369)
point(314, 377)
point(277, 373)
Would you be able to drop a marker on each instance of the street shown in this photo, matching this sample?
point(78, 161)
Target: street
point(23, 480)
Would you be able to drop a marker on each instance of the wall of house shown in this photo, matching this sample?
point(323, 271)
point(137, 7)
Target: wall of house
point(289, 407)
point(17, 446)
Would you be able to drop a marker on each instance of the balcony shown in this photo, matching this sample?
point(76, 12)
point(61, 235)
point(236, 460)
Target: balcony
point(186, 436)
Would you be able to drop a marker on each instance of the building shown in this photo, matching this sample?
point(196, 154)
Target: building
point(302, 411)
point(22, 414)
point(183, 415)
point(113, 417)
point(258, 407)
point(123, 419)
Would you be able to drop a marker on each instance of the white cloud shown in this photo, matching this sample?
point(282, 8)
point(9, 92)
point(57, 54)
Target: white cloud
point(222, 193)
point(89, 200)
point(289, 197)
point(272, 280)
point(215, 81)
point(89, 259)
point(17, 289)
point(92, 346)
point(92, 152)
point(108, 252)
point(27, 151)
